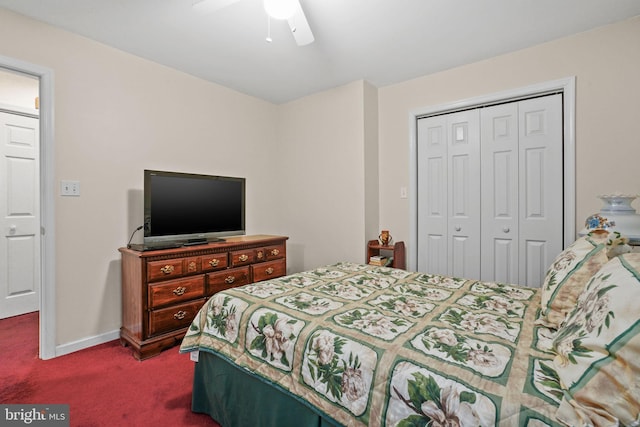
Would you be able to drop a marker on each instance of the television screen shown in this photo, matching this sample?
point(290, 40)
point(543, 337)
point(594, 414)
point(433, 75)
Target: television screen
point(181, 206)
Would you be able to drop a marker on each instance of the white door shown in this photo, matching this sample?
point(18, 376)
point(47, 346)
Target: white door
point(432, 198)
point(20, 215)
point(541, 186)
point(464, 194)
point(500, 193)
point(449, 197)
point(490, 193)
point(522, 210)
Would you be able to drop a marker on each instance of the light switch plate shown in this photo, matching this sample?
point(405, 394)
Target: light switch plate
point(70, 188)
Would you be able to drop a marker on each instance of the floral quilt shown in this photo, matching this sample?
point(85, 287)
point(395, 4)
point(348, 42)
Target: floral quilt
point(366, 345)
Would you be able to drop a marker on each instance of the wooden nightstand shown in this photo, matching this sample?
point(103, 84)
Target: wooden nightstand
point(374, 248)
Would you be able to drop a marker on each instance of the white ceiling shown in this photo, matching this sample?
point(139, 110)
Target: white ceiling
point(381, 41)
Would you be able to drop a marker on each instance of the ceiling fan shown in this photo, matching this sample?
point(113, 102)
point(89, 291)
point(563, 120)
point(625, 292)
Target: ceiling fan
point(289, 10)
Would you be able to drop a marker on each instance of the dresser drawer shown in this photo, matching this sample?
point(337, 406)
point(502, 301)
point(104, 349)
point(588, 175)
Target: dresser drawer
point(175, 291)
point(231, 278)
point(214, 262)
point(243, 257)
point(269, 270)
point(174, 317)
point(165, 269)
point(275, 252)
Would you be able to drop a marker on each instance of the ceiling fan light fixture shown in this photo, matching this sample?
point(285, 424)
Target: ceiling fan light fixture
point(280, 9)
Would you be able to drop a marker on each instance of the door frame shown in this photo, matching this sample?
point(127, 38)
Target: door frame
point(47, 325)
point(566, 86)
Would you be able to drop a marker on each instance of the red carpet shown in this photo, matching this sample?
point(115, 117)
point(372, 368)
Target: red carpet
point(103, 385)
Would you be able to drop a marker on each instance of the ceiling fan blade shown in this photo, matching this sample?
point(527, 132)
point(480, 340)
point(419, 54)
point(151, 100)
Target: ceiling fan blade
point(300, 27)
point(208, 6)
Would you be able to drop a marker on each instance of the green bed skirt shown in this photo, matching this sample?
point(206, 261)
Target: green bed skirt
point(233, 398)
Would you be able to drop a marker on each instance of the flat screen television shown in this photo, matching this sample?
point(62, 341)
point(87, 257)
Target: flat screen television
point(184, 208)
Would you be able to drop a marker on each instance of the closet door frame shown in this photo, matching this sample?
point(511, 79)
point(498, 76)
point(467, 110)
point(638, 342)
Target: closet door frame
point(566, 86)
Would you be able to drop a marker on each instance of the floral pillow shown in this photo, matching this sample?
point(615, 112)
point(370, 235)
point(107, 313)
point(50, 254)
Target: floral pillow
point(598, 349)
point(617, 244)
point(567, 277)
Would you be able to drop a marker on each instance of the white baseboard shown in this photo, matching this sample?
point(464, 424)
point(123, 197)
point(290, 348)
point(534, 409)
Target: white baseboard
point(71, 347)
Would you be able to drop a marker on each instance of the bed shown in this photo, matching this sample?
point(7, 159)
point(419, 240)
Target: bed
point(352, 344)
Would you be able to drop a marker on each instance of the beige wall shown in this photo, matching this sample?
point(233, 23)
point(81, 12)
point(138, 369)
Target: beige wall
point(18, 90)
point(605, 62)
point(325, 151)
point(115, 115)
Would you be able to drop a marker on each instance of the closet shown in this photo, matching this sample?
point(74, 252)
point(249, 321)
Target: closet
point(490, 191)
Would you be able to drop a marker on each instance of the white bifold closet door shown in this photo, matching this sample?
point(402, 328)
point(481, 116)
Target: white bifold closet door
point(449, 194)
point(490, 191)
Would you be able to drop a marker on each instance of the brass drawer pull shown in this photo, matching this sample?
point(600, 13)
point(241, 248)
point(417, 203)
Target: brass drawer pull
point(269, 270)
point(275, 252)
point(192, 266)
point(180, 315)
point(230, 279)
point(243, 257)
point(180, 290)
point(260, 255)
point(167, 269)
point(214, 262)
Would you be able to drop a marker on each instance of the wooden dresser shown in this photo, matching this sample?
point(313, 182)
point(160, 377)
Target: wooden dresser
point(162, 290)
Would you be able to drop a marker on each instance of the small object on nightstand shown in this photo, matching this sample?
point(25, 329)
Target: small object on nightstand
point(617, 214)
point(386, 255)
point(385, 238)
point(378, 260)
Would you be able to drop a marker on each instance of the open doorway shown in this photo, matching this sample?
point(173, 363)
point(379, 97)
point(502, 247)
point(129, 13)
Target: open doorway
point(43, 260)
